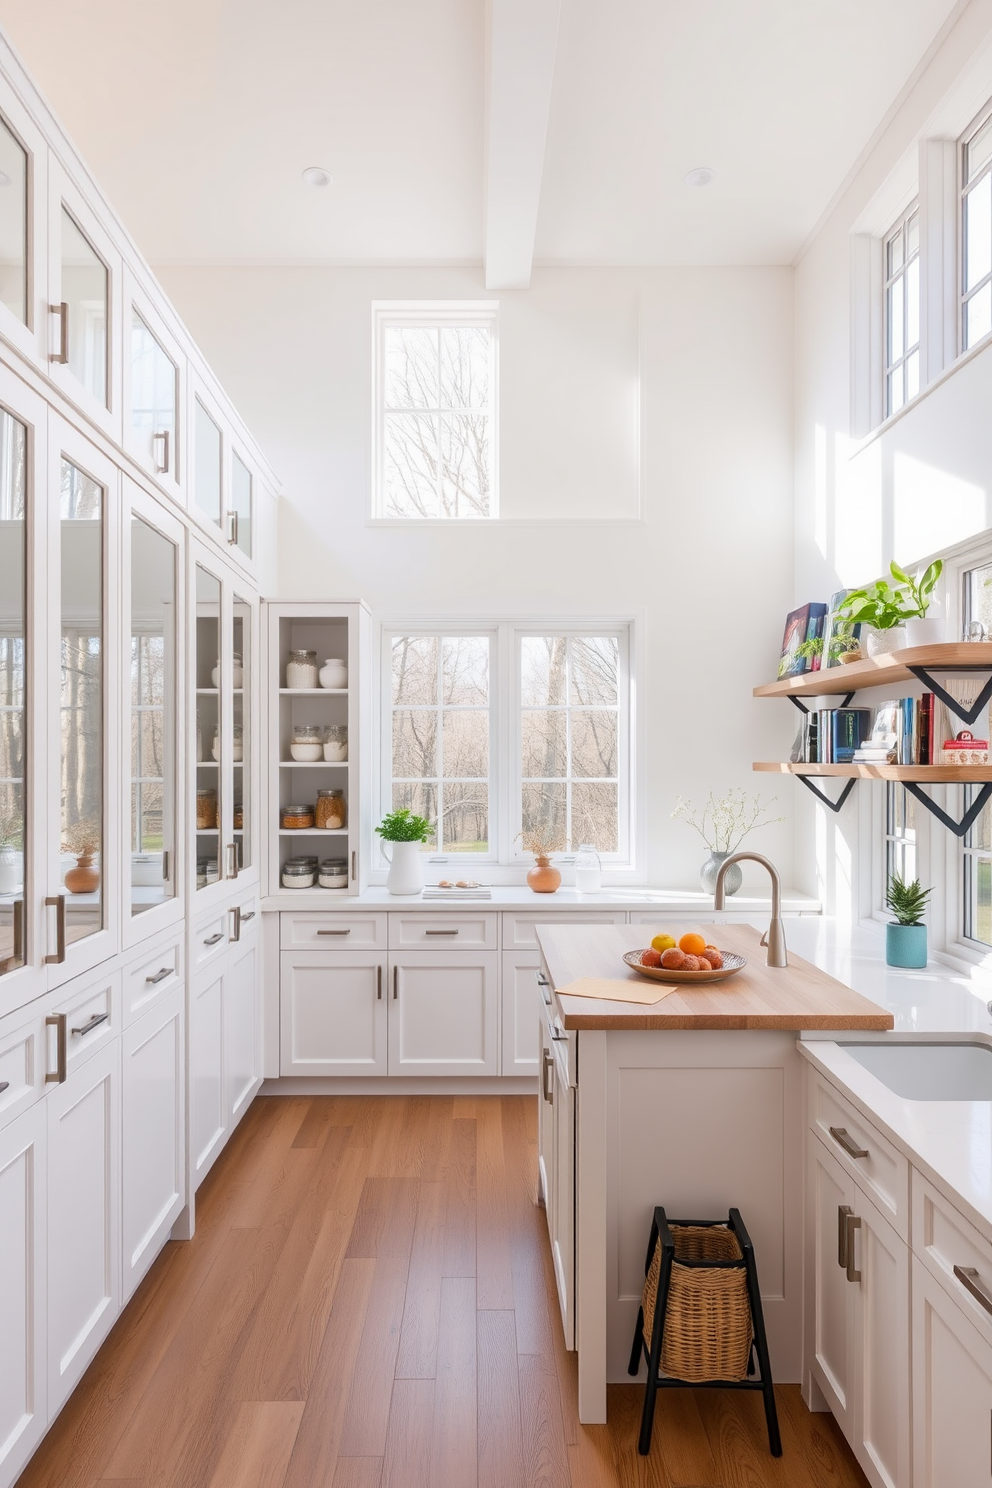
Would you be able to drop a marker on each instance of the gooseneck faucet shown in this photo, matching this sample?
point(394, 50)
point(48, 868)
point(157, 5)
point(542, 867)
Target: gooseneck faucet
point(774, 936)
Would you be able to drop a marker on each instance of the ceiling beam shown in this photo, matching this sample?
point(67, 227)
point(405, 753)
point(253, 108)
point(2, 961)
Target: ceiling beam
point(523, 35)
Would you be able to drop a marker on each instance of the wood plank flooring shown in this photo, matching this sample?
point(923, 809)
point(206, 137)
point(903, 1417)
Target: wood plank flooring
point(368, 1303)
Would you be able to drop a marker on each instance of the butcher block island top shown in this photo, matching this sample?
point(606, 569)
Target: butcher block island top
point(796, 997)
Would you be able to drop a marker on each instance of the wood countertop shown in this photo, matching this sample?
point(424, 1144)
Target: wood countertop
point(796, 998)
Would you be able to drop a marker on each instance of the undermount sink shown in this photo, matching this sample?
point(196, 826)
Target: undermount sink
point(929, 1072)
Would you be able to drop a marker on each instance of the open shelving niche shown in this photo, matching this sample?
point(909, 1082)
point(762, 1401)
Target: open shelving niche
point(915, 664)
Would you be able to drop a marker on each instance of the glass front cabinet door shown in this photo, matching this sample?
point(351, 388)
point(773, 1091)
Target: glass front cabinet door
point(154, 390)
point(224, 642)
point(23, 243)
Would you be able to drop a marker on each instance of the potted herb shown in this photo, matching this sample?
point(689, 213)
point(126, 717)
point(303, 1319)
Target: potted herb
point(406, 834)
point(723, 823)
point(906, 938)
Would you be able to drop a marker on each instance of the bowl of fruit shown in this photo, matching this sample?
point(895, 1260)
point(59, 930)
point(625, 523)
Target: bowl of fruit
point(689, 959)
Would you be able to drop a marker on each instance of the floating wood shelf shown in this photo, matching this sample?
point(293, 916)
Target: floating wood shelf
point(883, 671)
point(923, 774)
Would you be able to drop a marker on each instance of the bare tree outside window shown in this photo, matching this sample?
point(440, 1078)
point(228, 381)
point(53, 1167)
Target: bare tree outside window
point(437, 418)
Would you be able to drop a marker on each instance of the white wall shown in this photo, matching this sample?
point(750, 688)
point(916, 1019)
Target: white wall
point(646, 471)
point(925, 481)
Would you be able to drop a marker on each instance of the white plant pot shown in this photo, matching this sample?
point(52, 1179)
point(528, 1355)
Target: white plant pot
point(406, 867)
point(927, 630)
point(881, 642)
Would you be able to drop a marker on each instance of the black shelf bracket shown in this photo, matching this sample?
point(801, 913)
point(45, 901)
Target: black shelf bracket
point(962, 827)
point(837, 805)
point(798, 702)
point(968, 715)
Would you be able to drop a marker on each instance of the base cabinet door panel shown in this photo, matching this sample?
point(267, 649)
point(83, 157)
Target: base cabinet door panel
point(443, 1013)
point(333, 1013)
point(831, 1193)
point(563, 1198)
point(244, 1055)
point(883, 1432)
point(208, 1113)
point(521, 1005)
point(153, 1062)
point(952, 1391)
point(23, 1193)
point(83, 1218)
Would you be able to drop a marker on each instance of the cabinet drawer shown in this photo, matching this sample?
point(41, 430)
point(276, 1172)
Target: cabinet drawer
point(943, 1239)
point(431, 932)
point(883, 1173)
point(91, 1021)
point(328, 932)
point(150, 978)
point(520, 930)
point(210, 938)
point(22, 1064)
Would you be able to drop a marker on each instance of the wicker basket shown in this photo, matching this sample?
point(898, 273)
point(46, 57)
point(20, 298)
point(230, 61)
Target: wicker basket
point(708, 1317)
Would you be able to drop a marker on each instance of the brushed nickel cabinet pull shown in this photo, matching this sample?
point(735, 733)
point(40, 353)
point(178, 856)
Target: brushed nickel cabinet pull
point(62, 311)
point(163, 434)
point(18, 955)
point(90, 1024)
point(843, 1139)
point(969, 1279)
point(378, 982)
point(396, 982)
point(232, 860)
point(246, 917)
point(4, 1085)
point(236, 913)
point(440, 932)
point(547, 1090)
point(213, 939)
point(335, 932)
point(58, 1022)
point(844, 1212)
point(232, 528)
point(542, 980)
point(57, 902)
point(852, 1223)
point(354, 866)
point(159, 976)
point(165, 866)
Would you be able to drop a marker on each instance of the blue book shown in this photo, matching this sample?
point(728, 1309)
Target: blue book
point(850, 727)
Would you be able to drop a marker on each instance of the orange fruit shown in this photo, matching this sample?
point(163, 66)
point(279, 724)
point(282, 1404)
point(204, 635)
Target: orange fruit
point(693, 944)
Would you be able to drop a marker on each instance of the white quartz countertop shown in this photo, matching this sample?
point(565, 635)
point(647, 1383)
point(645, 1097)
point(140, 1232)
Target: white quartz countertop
point(693, 903)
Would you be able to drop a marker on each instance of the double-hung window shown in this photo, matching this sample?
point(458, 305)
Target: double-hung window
point(435, 411)
point(976, 234)
point(493, 732)
point(902, 311)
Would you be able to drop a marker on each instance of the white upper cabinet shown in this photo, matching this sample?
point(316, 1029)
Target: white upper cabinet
point(23, 243)
point(242, 509)
point(154, 393)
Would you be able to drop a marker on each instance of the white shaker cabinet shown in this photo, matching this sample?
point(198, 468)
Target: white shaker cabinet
point(443, 1013)
point(243, 1028)
point(952, 1391)
point(23, 1195)
point(153, 1092)
point(333, 1012)
point(207, 1106)
point(520, 1007)
point(556, 1164)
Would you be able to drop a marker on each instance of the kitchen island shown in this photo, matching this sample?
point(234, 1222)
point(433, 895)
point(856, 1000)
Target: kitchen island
point(695, 1103)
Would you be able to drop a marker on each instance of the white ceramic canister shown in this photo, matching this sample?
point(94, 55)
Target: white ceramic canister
point(334, 673)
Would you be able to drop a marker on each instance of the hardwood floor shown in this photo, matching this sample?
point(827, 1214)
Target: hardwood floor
point(368, 1303)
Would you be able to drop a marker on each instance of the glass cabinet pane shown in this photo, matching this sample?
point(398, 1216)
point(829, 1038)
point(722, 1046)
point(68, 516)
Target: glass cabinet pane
point(154, 397)
point(208, 728)
point(13, 224)
point(206, 485)
point(153, 716)
point(241, 494)
point(85, 291)
point(13, 689)
point(82, 694)
point(241, 676)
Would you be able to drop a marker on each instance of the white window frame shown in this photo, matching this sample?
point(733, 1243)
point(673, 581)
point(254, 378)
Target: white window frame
point(964, 191)
point(507, 862)
point(432, 313)
point(900, 365)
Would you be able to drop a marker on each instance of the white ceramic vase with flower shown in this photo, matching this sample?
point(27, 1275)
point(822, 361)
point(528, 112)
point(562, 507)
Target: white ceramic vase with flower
point(723, 822)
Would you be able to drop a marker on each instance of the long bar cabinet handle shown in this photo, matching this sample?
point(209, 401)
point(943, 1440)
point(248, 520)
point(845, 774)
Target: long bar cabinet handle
point(441, 932)
point(969, 1279)
point(232, 860)
point(844, 1212)
point(547, 1091)
point(335, 932)
point(58, 1022)
point(236, 912)
point(232, 528)
point(163, 434)
point(62, 311)
point(246, 917)
point(354, 866)
point(90, 1024)
point(57, 902)
point(378, 982)
point(4, 1085)
point(18, 954)
point(159, 976)
point(213, 939)
point(843, 1139)
point(396, 982)
point(852, 1223)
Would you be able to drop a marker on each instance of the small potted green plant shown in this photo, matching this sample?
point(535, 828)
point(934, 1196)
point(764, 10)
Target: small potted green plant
point(906, 937)
point(923, 629)
point(885, 609)
point(406, 834)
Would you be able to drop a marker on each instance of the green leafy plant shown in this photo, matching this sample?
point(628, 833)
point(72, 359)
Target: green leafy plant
point(810, 648)
point(883, 606)
point(403, 826)
point(907, 902)
point(921, 588)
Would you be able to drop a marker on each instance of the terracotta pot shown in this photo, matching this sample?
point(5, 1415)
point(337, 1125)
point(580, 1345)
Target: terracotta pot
point(542, 878)
point(85, 877)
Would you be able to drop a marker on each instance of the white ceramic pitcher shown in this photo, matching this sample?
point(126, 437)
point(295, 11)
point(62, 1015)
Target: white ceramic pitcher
point(406, 867)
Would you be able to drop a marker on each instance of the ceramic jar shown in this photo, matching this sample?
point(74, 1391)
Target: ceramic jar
point(542, 878)
point(301, 670)
point(85, 877)
point(237, 673)
point(334, 674)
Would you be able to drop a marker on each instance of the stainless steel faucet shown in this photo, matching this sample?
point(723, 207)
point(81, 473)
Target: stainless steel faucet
point(774, 936)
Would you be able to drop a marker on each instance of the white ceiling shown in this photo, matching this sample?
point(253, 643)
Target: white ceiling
point(198, 117)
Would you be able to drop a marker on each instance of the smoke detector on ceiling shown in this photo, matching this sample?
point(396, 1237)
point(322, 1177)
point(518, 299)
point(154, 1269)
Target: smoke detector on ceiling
point(316, 175)
point(700, 175)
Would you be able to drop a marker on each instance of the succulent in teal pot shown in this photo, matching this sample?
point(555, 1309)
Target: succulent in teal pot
point(906, 938)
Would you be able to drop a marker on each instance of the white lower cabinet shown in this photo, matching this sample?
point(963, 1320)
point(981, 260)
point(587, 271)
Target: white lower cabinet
point(23, 1196)
point(520, 1009)
point(153, 1126)
point(83, 1217)
point(443, 1013)
point(244, 1050)
point(952, 1391)
point(861, 1319)
point(333, 1013)
point(556, 1170)
point(207, 1106)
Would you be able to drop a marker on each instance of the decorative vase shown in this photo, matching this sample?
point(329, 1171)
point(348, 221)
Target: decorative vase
point(732, 879)
point(334, 673)
point(85, 877)
point(406, 867)
point(542, 878)
point(906, 945)
point(926, 630)
point(10, 869)
point(881, 642)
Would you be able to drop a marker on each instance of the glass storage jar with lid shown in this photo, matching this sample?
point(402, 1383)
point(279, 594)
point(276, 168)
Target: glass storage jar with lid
point(331, 812)
point(305, 743)
point(301, 669)
point(299, 873)
point(296, 818)
point(334, 873)
point(336, 742)
point(206, 809)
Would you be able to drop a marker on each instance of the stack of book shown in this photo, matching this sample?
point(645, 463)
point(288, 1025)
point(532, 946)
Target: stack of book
point(902, 734)
point(831, 736)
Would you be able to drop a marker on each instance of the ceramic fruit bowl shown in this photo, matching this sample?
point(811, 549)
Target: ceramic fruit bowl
point(731, 963)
